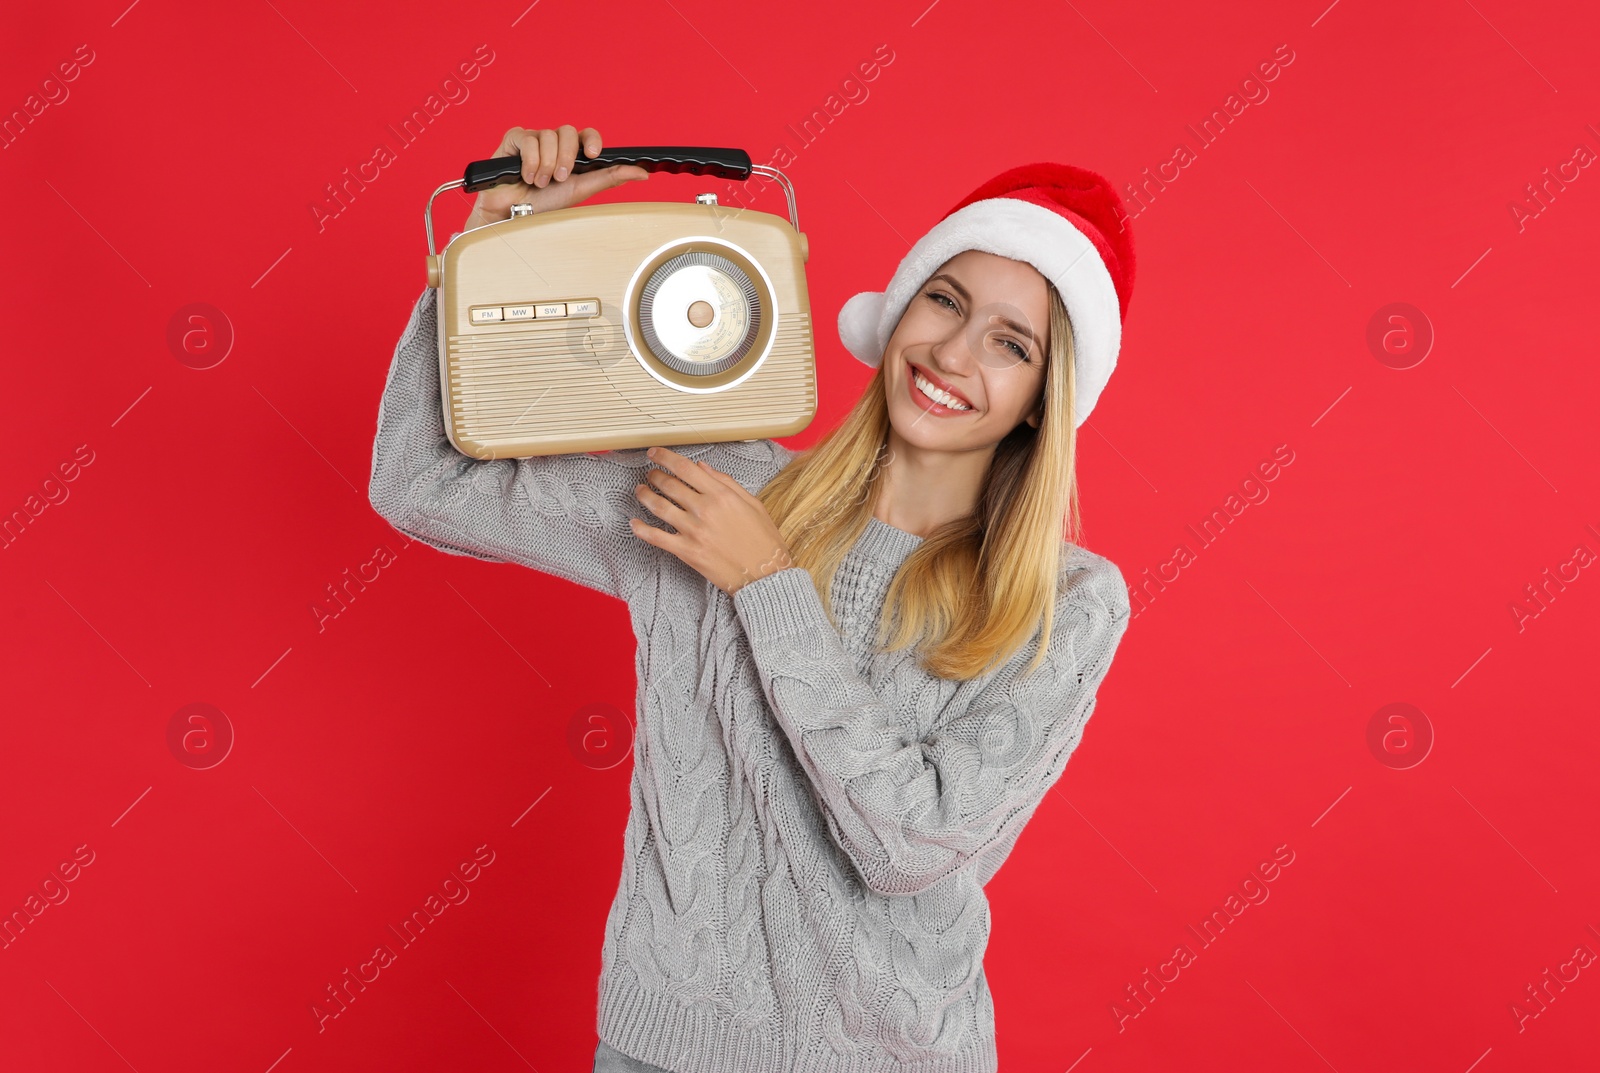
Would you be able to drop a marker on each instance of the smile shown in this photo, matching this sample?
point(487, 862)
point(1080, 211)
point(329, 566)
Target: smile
point(931, 397)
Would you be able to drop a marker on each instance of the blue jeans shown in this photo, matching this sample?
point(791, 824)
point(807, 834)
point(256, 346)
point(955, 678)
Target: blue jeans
point(607, 1059)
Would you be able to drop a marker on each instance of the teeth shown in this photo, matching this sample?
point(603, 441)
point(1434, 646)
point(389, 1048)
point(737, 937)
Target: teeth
point(938, 394)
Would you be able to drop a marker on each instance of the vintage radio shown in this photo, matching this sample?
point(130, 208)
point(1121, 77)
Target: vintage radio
point(598, 327)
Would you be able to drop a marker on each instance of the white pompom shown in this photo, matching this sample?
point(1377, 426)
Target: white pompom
point(858, 326)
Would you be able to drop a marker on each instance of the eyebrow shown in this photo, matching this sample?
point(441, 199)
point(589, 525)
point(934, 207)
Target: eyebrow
point(1007, 321)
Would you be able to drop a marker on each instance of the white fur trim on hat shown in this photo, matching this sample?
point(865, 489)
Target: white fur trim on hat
point(1023, 231)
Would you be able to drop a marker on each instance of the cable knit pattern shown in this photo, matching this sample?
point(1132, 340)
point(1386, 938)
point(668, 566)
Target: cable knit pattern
point(812, 823)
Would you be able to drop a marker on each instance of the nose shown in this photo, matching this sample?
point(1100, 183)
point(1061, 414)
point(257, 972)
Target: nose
point(952, 356)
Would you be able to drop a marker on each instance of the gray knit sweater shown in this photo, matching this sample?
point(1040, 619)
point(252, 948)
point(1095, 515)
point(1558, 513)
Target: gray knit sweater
point(812, 823)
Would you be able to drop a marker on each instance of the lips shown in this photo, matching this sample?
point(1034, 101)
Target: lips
point(938, 383)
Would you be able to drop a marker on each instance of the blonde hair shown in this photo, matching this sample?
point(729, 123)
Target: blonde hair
point(975, 590)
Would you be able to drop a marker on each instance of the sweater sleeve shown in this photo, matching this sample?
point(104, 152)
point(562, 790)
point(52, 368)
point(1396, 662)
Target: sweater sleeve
point(564, 514)
point(909, 813)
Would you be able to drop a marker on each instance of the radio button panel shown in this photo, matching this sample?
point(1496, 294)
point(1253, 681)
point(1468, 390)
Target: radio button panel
point(584, 307)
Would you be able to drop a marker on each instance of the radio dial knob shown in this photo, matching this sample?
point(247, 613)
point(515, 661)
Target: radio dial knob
point(521, 208)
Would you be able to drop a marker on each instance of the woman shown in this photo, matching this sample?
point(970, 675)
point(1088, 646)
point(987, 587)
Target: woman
point(860, 667)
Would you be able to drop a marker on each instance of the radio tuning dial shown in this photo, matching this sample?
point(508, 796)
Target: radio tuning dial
point(705, 199)
point(521, 208)
point(699, 313)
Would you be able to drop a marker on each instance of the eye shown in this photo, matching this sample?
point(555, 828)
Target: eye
point(940, 298)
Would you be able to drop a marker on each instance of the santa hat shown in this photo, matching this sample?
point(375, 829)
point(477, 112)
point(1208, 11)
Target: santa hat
point(1065, 221)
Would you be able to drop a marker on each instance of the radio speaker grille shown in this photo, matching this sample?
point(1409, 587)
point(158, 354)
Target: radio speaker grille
point(508, 386)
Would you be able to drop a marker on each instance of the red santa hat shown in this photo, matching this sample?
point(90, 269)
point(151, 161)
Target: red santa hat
point(1065, 221)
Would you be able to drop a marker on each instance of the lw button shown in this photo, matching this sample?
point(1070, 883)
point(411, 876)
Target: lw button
point(590, 308)
point(486, 316)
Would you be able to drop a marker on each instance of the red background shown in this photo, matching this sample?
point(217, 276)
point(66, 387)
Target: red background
point(431, 716)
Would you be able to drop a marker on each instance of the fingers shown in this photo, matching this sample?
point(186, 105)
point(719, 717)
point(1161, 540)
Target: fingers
point(679, 467)
point(528, 146)
point(616, 174)
point(626, 173)
point(661, 506)
point(511, 144)
point(548, 154)
point(547, 157)
point(566, 150)
point(685, 469)
point(673, 486)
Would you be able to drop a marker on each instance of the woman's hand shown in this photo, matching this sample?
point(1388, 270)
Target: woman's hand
point(723, 531)
point(547, 180)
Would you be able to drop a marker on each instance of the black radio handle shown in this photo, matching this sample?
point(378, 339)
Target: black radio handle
point(695, 160)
